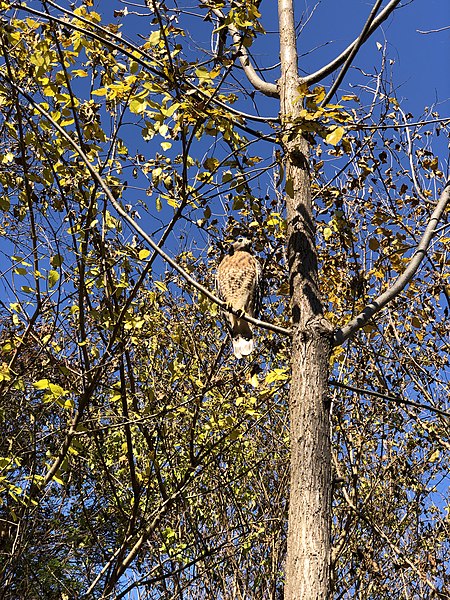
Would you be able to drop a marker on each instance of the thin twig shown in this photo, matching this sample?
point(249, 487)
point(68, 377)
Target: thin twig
point(433, 30)
point(359, 126)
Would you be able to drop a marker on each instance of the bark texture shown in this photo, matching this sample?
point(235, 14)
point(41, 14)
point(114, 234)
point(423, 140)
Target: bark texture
point(308, 551)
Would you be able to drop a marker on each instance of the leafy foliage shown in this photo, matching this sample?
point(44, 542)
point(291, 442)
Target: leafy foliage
point(136, 453)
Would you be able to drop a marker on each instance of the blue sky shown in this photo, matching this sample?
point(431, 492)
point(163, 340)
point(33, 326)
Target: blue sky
point(422, 62)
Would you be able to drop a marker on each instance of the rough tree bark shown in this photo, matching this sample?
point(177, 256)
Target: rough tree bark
point(308, 551)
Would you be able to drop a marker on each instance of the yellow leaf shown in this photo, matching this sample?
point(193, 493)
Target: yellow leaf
point(68, 404)
point(42, 384)
point(53, 277)
point(143, 254)
point(335, 136)
point(80, 73)
point(434, 456)
point(254, 381)
point(56, 390)
point(137, 106)
point(99, 92)
point(203, 73)
point(154, 38)
point(327, 233)
point(7, 158)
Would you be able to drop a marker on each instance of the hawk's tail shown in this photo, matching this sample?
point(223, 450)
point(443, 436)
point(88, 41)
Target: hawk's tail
point(242, 338)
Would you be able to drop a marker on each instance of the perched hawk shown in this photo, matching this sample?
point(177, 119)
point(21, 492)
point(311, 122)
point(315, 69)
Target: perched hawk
point(239, 284)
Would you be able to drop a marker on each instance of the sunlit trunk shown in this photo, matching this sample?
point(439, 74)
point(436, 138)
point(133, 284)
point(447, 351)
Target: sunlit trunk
point(308, 552)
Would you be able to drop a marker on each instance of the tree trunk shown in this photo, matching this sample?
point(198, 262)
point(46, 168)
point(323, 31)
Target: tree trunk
point(308, 545)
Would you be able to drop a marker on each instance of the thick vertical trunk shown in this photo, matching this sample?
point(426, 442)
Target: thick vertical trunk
point(308, 553)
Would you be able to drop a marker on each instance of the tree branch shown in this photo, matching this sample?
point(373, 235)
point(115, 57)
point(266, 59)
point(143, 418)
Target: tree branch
point(265, 87)
point(343, 333)
point(391, 398)
point(356, 46)
point(195, 284)
point(339, 60)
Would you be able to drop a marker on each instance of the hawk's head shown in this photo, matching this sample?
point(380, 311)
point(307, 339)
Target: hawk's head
point(242, 243)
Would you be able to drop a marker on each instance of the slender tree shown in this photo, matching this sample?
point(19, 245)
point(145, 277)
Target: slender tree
point(137, 457)
point(309, 538)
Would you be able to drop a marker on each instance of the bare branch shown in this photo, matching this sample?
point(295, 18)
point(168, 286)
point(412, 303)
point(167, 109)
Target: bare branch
point(433, 30)
point(356, 46)
point(442, 120)
point(390, 397)
point(223, 305)
point(339, 60)
point(411, 159)
point(265, 87)
point(402, 281)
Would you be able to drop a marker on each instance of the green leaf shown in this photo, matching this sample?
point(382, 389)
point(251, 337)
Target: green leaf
point(53, 277)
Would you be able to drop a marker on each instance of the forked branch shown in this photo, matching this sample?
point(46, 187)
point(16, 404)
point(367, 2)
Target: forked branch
point(339, 60)
point(265, 87)
point(353, 52)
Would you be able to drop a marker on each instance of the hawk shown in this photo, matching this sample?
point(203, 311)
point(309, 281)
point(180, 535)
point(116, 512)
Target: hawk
point(239, 283)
